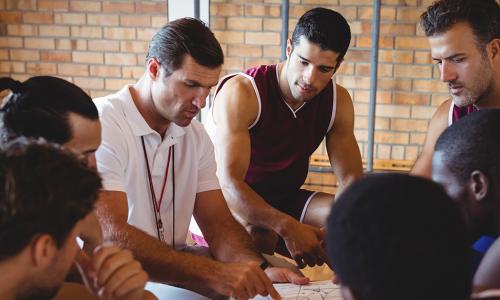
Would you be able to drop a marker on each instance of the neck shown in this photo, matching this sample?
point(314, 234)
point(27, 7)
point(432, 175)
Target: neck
point(286, 93)
point(12, 278)
point(143, 100)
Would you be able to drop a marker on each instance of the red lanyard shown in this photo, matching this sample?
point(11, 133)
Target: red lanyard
point(156, 203)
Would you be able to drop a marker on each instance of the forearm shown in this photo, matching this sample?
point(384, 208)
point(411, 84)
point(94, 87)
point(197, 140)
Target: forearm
point(163, 264)
point(253, 209)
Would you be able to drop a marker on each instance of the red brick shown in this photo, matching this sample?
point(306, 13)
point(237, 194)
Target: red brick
point(354, 55)
point(346, 68)
point(226, 9)
point(38, 17)
point(36, 43)
point(361, 122)
point(396, 56)
point(71, 44)
point(22, 30)
point(382, 97)
point(417, 138)
point(160, 21)
point(11, 42)
point(262, 38)
point(437, 99)
point(73, 69)
point(234, 64)
point(393, 111)
point(409, 125)
point(272, 24)
point(241, 23)
point(69, 18)
point(217, 23)
point(85, 6)
point(244, 50)
point(88, 57)
point(355, 2)
point(366, 42)
point(103, 45)
point(394, 84)
point(409, 14)
point(383, 70)
point(135, 47)
point(42, 68)
point(55, 56)
point(397, 152)
point(354, 82)
point(118, 7)
point(386, 13)
point(21, 4)
point(361, 27)
point(422, 57)
point(86, 31)
point(414, 43)
point(422, 112)
point(262, 10)
point(135, 21)
point(382, 151)
point(402, 2)
point(387, 137)
point(229, 37)
point(411, 98)
point(397, 29)
point(10, 17)
point(103, 19)
point(12, 67)
point(145, 34)
point(53, 5)
point(144, 7)
point(4, 55)
point(89, 83)
point(116, 33)
point(412, 71)
point(105, 71)
point(122, 59)
point(429, 86)
point(412, 152)
point(272, 51)
point(50, 30)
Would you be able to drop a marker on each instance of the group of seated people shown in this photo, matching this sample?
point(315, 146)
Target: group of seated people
point(132, 175)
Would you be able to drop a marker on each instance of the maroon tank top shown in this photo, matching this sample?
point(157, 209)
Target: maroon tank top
point(459, 112)
point(283, 140)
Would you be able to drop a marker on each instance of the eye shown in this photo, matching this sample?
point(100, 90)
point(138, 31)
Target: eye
point(304, 63)
point(325, 70)
point(458, 59)
point(438, 62)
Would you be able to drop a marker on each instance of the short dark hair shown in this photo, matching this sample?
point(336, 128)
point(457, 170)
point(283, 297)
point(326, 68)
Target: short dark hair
point(44, 189)
point(394, 236)
point(185, 36)
point(472, 143)
point(40, 107)
point(325, 27)
point(482, 15)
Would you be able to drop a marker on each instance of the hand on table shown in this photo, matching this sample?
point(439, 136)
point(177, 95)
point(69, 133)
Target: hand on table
point(305, 244)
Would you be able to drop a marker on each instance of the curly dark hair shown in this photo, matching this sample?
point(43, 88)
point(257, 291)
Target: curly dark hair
point(44, 189)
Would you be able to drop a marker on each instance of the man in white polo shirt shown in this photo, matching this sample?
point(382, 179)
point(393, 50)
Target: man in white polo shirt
point(158, 170)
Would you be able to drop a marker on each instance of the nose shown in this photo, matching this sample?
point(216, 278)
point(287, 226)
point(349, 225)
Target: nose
point(201, 98)
point(448, 73)
point(309, 75)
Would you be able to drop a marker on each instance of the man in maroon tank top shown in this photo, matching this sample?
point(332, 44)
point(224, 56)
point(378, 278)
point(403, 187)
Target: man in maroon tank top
point(464, 36)
point(269, 120)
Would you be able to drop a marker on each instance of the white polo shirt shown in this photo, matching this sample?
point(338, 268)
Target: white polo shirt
point(122, 165)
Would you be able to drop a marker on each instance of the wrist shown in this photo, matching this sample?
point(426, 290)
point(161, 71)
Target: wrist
point(284, 226)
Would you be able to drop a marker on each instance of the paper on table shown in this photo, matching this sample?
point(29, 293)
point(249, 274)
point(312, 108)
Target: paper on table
point(316, 290)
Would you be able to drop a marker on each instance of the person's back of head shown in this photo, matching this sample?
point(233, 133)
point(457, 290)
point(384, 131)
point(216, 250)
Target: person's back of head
point(185, 36)
point(44, 191)
point(393, 236)
point(483, 16)
point(326, 28)
point(40, 107)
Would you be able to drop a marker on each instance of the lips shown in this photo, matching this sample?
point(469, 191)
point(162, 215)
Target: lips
point(455, 89)
point(191, 114)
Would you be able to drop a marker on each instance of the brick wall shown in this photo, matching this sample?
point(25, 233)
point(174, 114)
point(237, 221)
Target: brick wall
point(101, 45)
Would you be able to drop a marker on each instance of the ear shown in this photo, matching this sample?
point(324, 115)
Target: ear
point(43, 250)
point(153, 68)
point(479, 185)
point(289, 48)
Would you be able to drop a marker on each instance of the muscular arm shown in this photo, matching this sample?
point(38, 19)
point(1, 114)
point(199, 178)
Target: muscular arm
point(341, 145)
point(235, 109)
point(228, 240)
point(438, 123)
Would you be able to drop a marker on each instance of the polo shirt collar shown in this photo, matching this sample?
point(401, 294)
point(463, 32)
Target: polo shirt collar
point(137, 123)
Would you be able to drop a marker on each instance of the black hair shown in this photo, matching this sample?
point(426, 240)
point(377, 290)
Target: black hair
point(44, 189)
point(40, 107)
point(472, 143)
point(325, 27)
point(482, 15)
point(185, 36)
point(394, 236)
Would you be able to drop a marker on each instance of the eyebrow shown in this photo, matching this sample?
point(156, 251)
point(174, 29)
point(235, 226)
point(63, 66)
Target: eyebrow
point(450, 57)
point(321, 66)
point(197, 83)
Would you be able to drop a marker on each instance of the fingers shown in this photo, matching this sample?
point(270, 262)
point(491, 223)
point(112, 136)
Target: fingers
point(295, 278)
point(127, 279)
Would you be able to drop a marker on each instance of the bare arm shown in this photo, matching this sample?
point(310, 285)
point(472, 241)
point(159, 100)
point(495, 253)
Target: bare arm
point(341, 144)
point(166, 265)
point(438, 123)
point(235, 109)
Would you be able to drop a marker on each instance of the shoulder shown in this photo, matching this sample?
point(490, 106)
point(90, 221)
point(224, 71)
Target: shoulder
point(441, 116)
